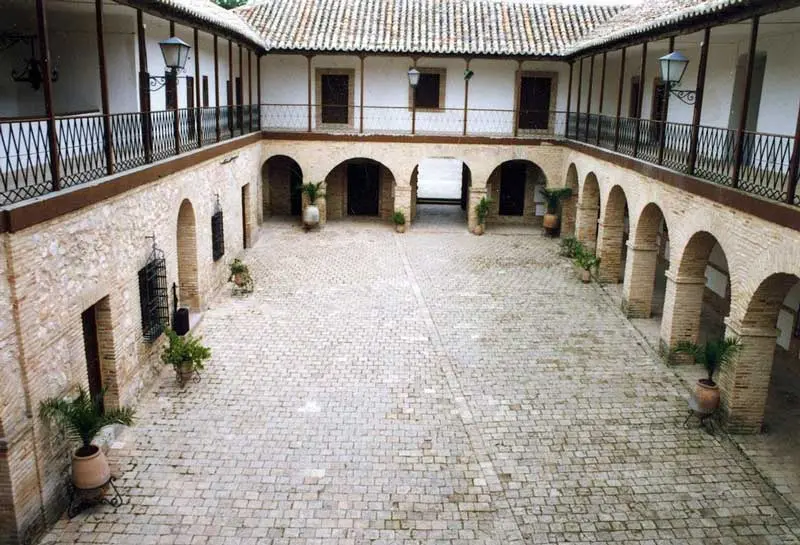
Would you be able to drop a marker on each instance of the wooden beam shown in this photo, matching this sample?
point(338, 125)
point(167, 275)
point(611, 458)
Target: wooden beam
point(258, 90)
point(144, 89)
point(216, 87)
point(176, 122)
point(229, 88)
point(642, 73)
point(589, 98)
point(47, 86)
point(738, 149)
point(620, 88)
point(250, 87)
point(569, 97)
point(308, 76)
point(662, 129)
point(698, 103)
point(108, 143)
point(198, 111)
point(361, 95)
point(578, 99)
point(466, 99)
point(602, 96)
point(240, 104)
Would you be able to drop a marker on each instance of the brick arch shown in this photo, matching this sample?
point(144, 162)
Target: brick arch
point(641, 264)
point(534, 177)
point(569, 209)
point(611, 235)
point(188, 285)
point(336, 189)
point(278, 174)
point(588, 211)
point(694, 257)
point(644, 233)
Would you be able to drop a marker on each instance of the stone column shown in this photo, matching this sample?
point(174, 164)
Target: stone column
point(475, 196)
point(402, 201)
point(640, 272)
point(586, 226)
point(744, 383)
point(568, 212)
point(609, 250)
point(682, 303)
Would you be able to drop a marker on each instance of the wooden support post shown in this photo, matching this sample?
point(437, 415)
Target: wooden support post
point(466, 99)
point(198, 111)
point(639, 101)
point(414, 105)
point(172, 80)
point(578, 101)
point(620, 87)
point(589, 99)
point(662, 129)
point(258, 91)
point(794, 163)
point(698, 103)
point(250, 87)
point(144, 90)
point(361, 95)
point(308, 74)
point(738, 149)
point(518, 83)
point(569, 98)
point(108, 143)
point(602, 96)
point(230, 88)
point(240, 103)
point(47, 86)
point(216, 87)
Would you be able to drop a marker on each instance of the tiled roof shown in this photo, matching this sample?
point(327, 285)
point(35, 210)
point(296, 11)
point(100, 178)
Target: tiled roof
point(464, 27)
point(647, 17)
point(205, 11)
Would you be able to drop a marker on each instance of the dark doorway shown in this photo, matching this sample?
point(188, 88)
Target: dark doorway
point(465, 183)
point(295, 192)
point(335, 95)
point(91, 348)
point(512, 188)
point(245, 211)
point(534, 102)
point(363, 189)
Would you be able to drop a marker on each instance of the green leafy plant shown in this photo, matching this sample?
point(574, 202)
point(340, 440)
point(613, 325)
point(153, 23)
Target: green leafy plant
point(482, 209)
point(82, 418)
point(585, 259)
point(398, 217)
point(185, 352)
point(238, 267)
point(570, 246)
point(553, 197)
point(313, 190)
point(713, 355)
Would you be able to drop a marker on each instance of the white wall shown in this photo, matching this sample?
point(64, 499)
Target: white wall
point(440, 177)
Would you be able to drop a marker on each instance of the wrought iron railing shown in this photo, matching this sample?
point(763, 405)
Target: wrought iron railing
point(136, 139)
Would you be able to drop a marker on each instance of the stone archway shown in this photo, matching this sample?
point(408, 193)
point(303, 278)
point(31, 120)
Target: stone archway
point(188, 287)
point(569, 207)
point(440, 191)
point(646, 263)
point(360, 187)
point(611, 235)
point(513, 188)
point(281, 178)
point(588, 212)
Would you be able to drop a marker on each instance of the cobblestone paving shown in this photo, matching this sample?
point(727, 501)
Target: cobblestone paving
point(424, 388)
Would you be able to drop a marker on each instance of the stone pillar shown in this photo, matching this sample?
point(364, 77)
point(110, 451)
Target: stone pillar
point(640, 272)
point(475, 196)
point(586, 226)
point(744, 383)
point(683, 301)
point(609, 250)
point(403, 198)
point(568, 212)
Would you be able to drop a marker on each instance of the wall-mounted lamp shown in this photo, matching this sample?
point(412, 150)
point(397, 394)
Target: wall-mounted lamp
point(468, 74)
point(175, 52)
point(413, 77)
point(32, 71)
point(673, 67)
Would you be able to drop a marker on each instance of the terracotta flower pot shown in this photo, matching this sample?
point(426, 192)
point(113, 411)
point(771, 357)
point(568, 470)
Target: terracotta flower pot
point(185, 372)
point(707, 394)
point(89, 468)
point(479, 229)
point(586, 276)
point(400, 227)
point(238, 279)
point(550, 221)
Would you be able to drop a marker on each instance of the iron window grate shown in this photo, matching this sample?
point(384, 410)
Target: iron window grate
point(153, 296)
point(217, 236)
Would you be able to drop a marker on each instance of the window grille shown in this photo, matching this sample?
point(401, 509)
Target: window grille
point(153, 295)
point(217, 236)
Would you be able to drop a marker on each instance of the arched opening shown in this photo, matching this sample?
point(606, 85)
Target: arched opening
point(588, 212)
point(281, 179)
point(698, 293)
point(440, 191)
point(569, 208)
point(360, 187)
point(188, 289)
point(612, 237)
point(761, 390)
point(515, 189)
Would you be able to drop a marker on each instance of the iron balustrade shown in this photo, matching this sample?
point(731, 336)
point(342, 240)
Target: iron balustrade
point(140, 138)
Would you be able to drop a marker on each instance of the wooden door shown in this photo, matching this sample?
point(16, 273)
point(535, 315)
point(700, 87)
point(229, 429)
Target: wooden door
point(512, 188)
point(534, 103)
point(363, 189)
point(92, 350)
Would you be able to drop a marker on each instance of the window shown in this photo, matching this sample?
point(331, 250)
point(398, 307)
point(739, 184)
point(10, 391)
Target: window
point(334, 96)
point(429, 93)
point(634, 108)
point(205, 92)
point(535, 100)
point(153, 296)
point(217, 236)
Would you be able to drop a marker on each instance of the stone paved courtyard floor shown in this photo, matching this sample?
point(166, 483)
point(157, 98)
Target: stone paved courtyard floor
point(433, 387)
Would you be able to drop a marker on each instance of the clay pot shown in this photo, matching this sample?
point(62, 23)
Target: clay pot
point(89, 468)
point(550, 221)
point(586, 276)
point(185, 372)
point(400, 228)
point(707, 394)
point(238, 279)
point(479, 229)
point(310, 216)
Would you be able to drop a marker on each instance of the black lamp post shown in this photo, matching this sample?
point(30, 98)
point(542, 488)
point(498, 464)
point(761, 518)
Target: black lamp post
point(673, 67)
point(413, 81)
point(175, 52)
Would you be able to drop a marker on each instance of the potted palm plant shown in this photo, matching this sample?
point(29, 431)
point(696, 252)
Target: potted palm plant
point(482, 211)
point(713, 355)
point(185, 354)
point(399, 220)
point(240, 275)
point(82, 419)
point(311, 212)
point(587, 261)
point(553, 199)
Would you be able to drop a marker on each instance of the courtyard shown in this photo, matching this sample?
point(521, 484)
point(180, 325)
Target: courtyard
point(432, 387)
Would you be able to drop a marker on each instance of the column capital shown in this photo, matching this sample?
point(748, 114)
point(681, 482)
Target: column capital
point(640, 247)
point(736, 327)
point(680, 279)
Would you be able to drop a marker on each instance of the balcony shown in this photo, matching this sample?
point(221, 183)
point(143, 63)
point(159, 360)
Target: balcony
point(138, 139)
